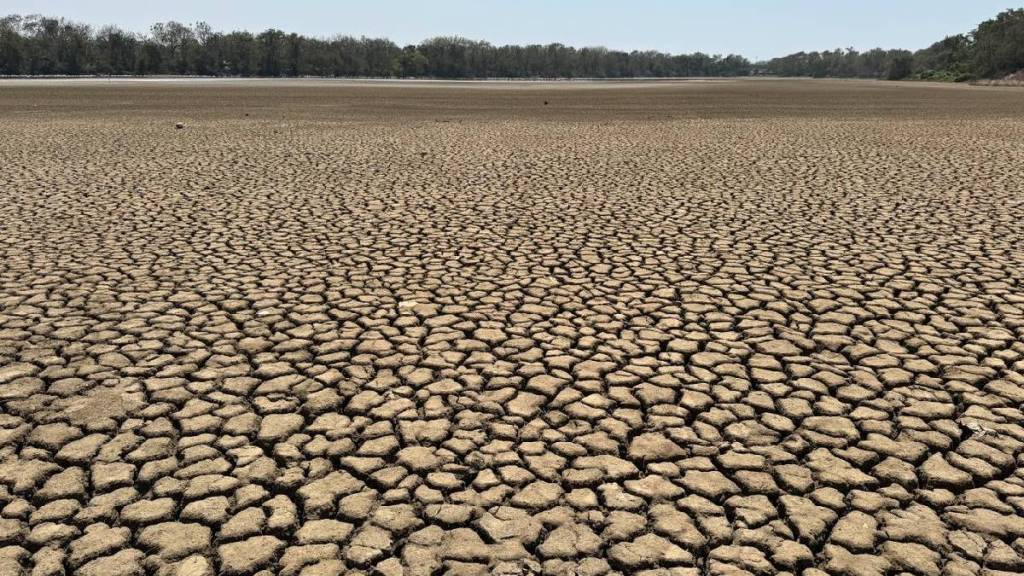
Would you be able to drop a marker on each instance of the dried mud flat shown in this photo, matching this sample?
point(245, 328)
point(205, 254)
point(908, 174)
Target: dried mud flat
point(749, 327)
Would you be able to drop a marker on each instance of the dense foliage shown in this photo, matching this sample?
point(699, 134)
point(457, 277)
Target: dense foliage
point(877, 63)
point(994, 49)
point(38, 45)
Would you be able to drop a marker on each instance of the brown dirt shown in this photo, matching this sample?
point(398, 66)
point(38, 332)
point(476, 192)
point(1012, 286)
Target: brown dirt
point(721, 327)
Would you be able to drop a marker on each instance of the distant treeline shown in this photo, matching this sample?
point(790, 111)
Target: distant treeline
point(39, 45)
point(992, 50)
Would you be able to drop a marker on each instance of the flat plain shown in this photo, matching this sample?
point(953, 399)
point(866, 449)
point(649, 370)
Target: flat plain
point(664, 328)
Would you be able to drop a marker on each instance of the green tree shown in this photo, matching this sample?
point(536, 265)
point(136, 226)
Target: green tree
point(412, 62)
point(178, 46)
point(950, 55)
point(999, 45)
point(271, 45)
point(900, 64)
point(115, 51)
point(240, 54)
point(43, 45)
point(12, 45)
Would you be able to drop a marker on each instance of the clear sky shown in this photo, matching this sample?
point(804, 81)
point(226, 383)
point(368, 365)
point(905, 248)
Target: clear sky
point(755, 28)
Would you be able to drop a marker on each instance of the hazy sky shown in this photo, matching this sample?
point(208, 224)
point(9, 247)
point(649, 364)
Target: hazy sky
point(756, 29)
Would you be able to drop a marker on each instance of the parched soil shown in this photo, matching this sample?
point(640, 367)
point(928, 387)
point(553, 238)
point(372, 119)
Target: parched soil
point(659, 329)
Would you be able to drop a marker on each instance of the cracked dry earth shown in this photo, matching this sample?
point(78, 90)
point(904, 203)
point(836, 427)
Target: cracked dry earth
point(753, 327)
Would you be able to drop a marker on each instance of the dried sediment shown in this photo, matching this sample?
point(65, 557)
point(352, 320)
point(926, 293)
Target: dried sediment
point(722, 328)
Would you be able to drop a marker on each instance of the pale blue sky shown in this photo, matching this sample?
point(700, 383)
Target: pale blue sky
point(755, 28)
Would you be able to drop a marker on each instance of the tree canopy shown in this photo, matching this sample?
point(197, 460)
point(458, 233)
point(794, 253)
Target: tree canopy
point(37, 45)
point(41, 45)
point(992, 50)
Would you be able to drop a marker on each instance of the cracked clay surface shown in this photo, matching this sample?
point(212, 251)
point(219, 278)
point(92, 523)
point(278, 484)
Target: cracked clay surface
point(673, 329)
